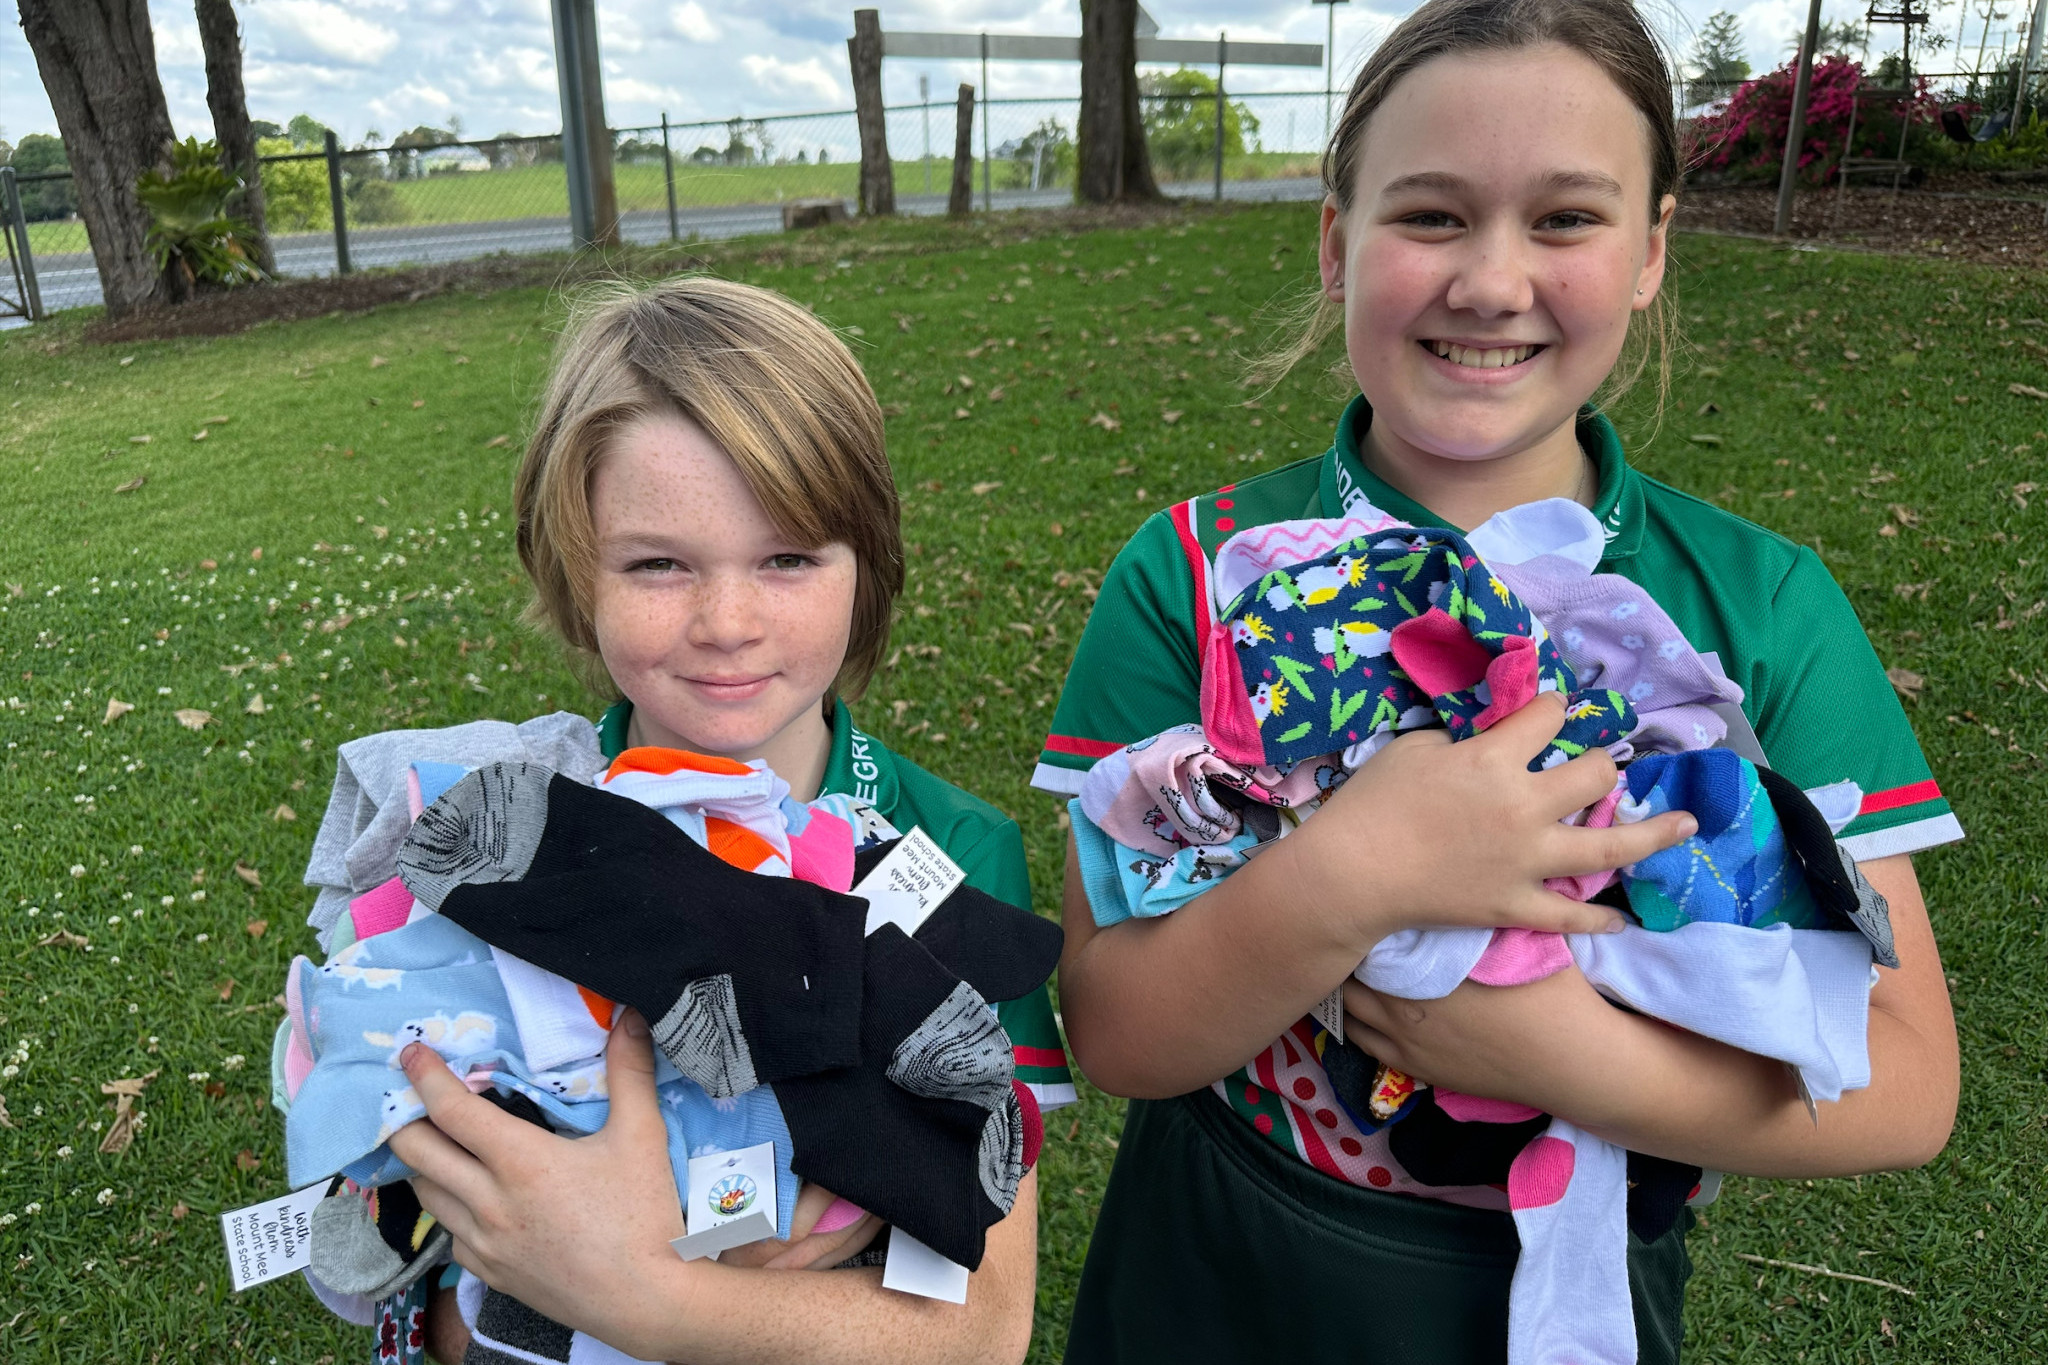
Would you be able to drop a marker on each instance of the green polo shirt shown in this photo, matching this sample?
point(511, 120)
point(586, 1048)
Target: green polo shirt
point(986, 843)
point(1814, 690)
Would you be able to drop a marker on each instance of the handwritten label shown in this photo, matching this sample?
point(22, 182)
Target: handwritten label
point(909, 884)
point(1329, 1012)
point(731, 1201)
point(271, 1240)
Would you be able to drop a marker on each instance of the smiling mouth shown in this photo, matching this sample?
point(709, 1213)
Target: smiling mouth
point(1482, 358)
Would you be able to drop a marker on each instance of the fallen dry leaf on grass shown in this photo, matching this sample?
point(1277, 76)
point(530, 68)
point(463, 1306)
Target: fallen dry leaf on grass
point(984, 489)
point(180, 1209)
point(495, 442)
point(1106, 422)
point(132, 484)
point(122, 1131)
point(192, 718)
point(2026, 391)
point(5, 1122)
point(1906, 682)
point(284, 813)
point(256, 927)
point(140, 440)
point(378, 362)
point(199, 435)
point(1170, 416)
point(63, 938)
point(248, 873)
point(257, 706)
point(214, 421)
point(1704, 439)
point(246, 1160)
point(226, 990)
point(115, 710)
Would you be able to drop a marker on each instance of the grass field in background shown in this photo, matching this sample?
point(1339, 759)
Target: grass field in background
point(539, 191)
point(1858, 404)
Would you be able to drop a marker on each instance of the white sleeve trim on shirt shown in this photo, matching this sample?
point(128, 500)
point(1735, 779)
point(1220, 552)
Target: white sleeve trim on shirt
point(1057, 781)
point(1909, 838)
point(1052, 1095)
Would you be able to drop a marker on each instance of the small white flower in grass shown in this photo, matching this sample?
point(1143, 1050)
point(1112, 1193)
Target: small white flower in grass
point(6, 1219)
point(135, 850)
point(64, 1152)
point(163, 691)
point(199, 938)
point(198, 895)
point(105, 1197)
point(234, 1061)
point(134, 1009)
point(199, 1077)
point(10, 1071)
point(168, 902)
point(31, 1210)
point(78, 869)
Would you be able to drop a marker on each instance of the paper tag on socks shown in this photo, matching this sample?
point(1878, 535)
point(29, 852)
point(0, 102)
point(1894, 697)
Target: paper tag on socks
point(909, 884)
point(1329, 1012)
point(731, 1201)
point(270, 1240)
point(914, 1268)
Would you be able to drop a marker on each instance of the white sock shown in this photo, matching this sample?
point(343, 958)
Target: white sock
point(1569, 1302)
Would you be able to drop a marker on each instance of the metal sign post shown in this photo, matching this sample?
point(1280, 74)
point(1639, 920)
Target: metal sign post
point(1330, 69)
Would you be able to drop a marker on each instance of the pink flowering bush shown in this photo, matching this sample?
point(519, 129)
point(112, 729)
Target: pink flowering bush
point(1748, 137)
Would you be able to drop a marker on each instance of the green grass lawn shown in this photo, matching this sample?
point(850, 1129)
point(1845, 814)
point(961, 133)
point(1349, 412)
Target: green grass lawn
point(1858, 404)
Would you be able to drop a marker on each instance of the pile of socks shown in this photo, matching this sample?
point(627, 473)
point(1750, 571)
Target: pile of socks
point(1327, 639)
point(523, 905)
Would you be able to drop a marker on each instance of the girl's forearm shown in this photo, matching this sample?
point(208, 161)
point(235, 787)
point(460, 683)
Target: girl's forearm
point(1690, 1099)
point(1163, 1006)
point(721, 1315)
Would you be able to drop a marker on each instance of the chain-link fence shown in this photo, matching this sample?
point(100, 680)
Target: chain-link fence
point(339, 209)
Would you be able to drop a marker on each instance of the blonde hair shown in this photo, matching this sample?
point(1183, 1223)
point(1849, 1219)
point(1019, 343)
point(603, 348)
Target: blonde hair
point(777, 391)
point(1612, 34)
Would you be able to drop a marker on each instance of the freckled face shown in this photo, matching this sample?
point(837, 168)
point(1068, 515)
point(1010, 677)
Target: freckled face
point(1499, 233)
point(723, 634)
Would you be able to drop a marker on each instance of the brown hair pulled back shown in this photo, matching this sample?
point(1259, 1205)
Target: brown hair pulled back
point(1610, 33)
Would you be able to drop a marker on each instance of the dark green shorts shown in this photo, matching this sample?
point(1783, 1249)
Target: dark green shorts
point(1213, 1245)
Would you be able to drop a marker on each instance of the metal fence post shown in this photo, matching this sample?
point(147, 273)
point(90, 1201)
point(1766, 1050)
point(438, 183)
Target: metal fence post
point(1222, 53)
point(338, 203)
point(988, 194)
point(668, 175)
point(16, 228)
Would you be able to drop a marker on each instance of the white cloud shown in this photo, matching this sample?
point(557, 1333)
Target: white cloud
point(515, 66)
point(176, 38)
point(807, 77)
point(310, 29)
point(690, 23)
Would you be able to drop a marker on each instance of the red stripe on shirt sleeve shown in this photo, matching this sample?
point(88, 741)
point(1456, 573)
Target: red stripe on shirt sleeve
point(1910, 795)
point(1040, 1056)
point(1184, 525)
point(1085, 748)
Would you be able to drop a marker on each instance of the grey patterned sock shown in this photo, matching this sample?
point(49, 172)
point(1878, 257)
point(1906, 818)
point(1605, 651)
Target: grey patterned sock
point(485, 828)
point(351, 1257)
point(959, 1052)
point(1873, 913)
point(701, 1035)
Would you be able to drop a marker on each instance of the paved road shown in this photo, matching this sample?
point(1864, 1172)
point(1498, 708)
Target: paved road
point(70, 281)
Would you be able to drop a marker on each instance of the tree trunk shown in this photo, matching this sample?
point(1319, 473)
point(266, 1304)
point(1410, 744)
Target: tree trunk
point(1113, 163)
point(98, 64)
point(960, 202)
point(864, 55)
point(222, 39)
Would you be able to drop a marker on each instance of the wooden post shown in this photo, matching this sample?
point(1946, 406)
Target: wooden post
point(1795, 131)
point(960, 202)
point(877, 175)
point(337, 201)
point(668, 177)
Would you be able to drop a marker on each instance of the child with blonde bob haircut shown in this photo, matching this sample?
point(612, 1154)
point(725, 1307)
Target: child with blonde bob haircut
point(1500, 192)
point(708, 516)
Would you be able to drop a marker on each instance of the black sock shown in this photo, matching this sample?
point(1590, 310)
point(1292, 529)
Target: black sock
point(1657, 1191)
point(743, 979)
point(1437, 1149)
point(926, 1132)
point(1002, 951)
point(1831, 874)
